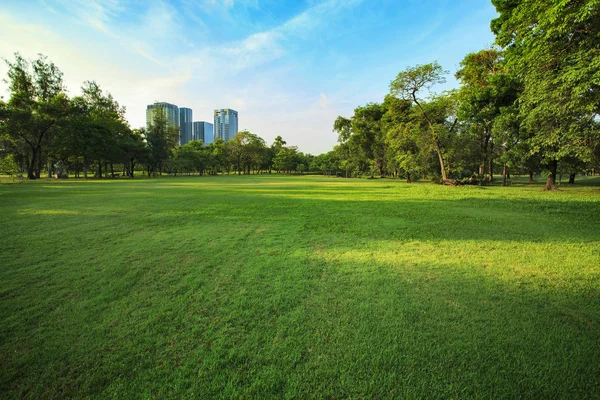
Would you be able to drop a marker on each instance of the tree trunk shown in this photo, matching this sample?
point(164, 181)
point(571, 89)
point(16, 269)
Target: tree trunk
point(437, 146)
point(571, 179)
point(38, 169)
point(442, 166)
point(551, 182)
point(505, 176)
point(491, 162)
point(484, 156)
point(531, 176)
point(31, 167)
point(407, 177)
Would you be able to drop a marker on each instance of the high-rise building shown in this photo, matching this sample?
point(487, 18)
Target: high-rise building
point(226, 124)
point(204, 131)
point(186, 127)
point(171, 113)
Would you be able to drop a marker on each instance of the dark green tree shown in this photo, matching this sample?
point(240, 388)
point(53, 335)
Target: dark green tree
point(161, 139)
point(34, 112)
point(552, 47)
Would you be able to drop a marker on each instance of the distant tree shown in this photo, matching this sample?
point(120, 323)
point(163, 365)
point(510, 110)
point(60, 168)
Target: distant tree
point(161, 139)
point(286, 159)
point(107, 130)
point(218, 151)
point(247, 151)
point(272, 151)
point(367, 133)
point(9, 166)
point(134, 150)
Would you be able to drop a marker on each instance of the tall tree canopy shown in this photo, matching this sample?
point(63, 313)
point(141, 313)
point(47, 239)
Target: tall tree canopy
point(554, 48)
point(35, 109)
point(409, 85)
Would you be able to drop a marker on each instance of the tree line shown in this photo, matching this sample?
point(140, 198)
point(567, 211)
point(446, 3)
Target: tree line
point(43, 131)
point(529, 104)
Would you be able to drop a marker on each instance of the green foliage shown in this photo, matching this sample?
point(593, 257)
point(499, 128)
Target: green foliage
point(488, 89)
point(8, 166)
point(286, 159)
point(37, 105)
point(247, 151)
point(161, 139)
point(410, 83)
point(553, 48)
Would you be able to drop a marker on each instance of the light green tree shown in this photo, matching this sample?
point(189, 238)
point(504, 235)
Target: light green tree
point(409, 85)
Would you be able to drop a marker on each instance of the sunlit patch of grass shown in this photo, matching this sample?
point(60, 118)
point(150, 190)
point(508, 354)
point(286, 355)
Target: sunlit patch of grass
point(298, 287)
point(48, 212)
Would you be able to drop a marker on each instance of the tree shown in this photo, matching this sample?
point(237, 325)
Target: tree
point(218, 151)
point(343, 127)
point(277, 145)
point(486, 89)
point(247, 151)
point(553, 48)
point(36, 107)
point(134, 149)
point(107, 128)
point(161, 139)
point(286, 159)
point(367, 133)
point(408, 85)
point(9, 166)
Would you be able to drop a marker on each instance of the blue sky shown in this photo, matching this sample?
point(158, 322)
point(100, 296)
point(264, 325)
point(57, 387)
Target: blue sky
point(288, 67)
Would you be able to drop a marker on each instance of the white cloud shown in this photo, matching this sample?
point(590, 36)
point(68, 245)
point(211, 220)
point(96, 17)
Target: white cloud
point(323, 101)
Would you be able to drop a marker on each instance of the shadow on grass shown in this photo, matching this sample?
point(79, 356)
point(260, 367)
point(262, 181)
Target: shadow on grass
point(328, 293)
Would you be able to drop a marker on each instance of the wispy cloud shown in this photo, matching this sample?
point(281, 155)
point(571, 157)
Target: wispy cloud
point(98, 13)
point(288, 70)
point(263, 47)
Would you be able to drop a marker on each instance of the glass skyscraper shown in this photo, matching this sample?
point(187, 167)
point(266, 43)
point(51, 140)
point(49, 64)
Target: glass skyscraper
point(204, 131)
point(226, 124)
point(186, 127)
point(171, 112)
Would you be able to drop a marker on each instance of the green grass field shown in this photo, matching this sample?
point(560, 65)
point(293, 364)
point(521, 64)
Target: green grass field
point(298, 287)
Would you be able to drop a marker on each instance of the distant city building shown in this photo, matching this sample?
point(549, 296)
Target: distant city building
point(186, 127)
point(204, 131)
point(226, 124)
point(171, 112)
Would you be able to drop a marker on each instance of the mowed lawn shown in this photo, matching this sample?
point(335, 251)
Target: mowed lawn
point(298, 287)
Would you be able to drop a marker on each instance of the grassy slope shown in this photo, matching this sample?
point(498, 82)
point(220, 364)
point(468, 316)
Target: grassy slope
point(298, 287)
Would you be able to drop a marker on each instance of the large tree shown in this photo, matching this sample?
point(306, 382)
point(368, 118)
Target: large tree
point(35, 109)
point(554, 48)
point(487, 88)
point(409, 85)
